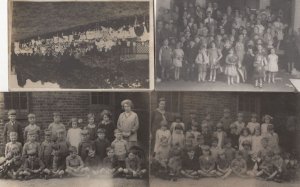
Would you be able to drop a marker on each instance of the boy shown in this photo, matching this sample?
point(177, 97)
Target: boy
point(214, 149)
point(92, 161)
point(223, 165)
point(11, 165)
point(206, 134)
point(110, 163)
point(120, 147)
point(57, 166)
point(32, 127)
point(13, 142)
point(12, 126)
point(85, 145)
point(226, 120)
point(101, 144)
point(239, 165)
point(33, 166)
point(133, 166)
point(46, 149)
point(207, 163)
point(56, 125)
point(240, 124)
point(31, 145)
point(74, 164)
point(190, 164)
point(165, 60)
point(174, 163)
point(234, 136)
point(229, 150)
point(268, 169)
point(91, 127)
point(194, 131)
point(62, 144)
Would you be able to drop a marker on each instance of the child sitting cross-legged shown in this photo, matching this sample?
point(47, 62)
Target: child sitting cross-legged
point(92, 161)
point(239, 165)
point(160, 161)
point(10, 165)
point(190, 164)
point(207, 163)
point(223, 165)
point(74, 164)
point(110, 163)
point(133, 166)
point(174, 163)
point(56, 167)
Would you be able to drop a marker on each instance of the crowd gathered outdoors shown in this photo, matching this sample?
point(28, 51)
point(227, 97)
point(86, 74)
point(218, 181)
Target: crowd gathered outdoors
point(210, 148)
point(198, 41)
point(94, 149)
point(99, 37)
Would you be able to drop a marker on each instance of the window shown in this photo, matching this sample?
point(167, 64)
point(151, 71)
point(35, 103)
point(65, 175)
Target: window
point(100, 98)
point(249, 103)
point(173, 101)
point(16, 100)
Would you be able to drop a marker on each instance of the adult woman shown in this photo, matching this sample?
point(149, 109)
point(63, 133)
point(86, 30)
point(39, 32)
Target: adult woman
point(128, 123)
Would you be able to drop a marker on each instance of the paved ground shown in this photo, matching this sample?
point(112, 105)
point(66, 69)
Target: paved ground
point(75, 182)
point(283, 84)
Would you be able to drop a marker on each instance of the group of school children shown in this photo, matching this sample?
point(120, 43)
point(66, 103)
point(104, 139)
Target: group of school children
point(95, 150)
point(202, 42)
point(200, 150)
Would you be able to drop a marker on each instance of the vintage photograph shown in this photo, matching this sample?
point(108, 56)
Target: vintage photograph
point(80, 45)
point(224, 139)
point(232, 45)
point(74, 139)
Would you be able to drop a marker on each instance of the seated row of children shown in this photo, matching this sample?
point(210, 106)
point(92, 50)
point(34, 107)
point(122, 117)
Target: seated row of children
point(206, 151)
point(56, 157)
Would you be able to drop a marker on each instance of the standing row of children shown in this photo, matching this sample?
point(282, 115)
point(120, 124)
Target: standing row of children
point(199, 42)
point(94, 150)
point(196, 150)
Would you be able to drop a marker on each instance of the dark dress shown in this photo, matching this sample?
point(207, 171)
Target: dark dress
point(109, 129)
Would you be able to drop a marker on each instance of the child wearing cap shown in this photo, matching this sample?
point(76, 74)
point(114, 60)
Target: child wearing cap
point(163, 131)
point(85, 145)
point(74, 133)
point(56, 125)
point(177, 136)
point(101, 144)
point(91, 127)
point(133, 166)
point(45, 152)
point(239, 165)
point(31, 145)
point(245, 136)
point(107, 124)
point(110, 163)
point(33, 166)
point(223, 165)
point(57, 165)
point(190, 164)
point(12, 126)
point(207, 163)
point(253, 124)
point(32, 127)
point(240, 124)
point(74, 164)
point(220, 135)
point(266, 122)
point(120, 147)
point(13, 136)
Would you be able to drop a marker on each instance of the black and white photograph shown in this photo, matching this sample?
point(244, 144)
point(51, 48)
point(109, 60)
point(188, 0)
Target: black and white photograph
point(232, 45)
point(225, 139)
point(74, 139)
point(73, 45)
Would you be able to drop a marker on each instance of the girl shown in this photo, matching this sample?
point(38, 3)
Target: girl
point(91, 127)
point(74, 134)
point(273, 137)
point(207, 163)
point(278, 26)
point(240, 124)
point(230, 70)
point(239, 165)
point(223, 165)
point(253, 124)
point(177, 137)
point(177, 60)
point(178, 121)
point(272, 65)
point(202, 61)
point(259, 66)
point(240, 52)
point(245, 136)
point(266, 122)
point(220, 135)
point(161, 133)
point(107, 124)
point(215, 56)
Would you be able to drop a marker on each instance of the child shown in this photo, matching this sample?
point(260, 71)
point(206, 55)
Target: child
point(13, 136)
point(248, 62)
point(223, 165)
point(56, 125)
point(247, 154)
point(45, 152)
point(208, 120)
point(230, 70)
point(256, 142)
point(253, 124)
point(239, 165)
point(190, 164)
point(74, 133)
point(273, 137)
point(165, 60)
point(31, 145)
point(178, 137)
point(91, 127)
point(207, 136)
point(259, 67)
point(74, 164)
point(12, 163)
point(268, 171)
point(202, 60)
point(178, 121)
point(240, 52)
point(85, 145)
point(220, 135)
point(264, 150)
point(120, 147)
point(174, 163)
point(240, 124)
point(226, 120)
point(32, 127)
point(110, 163)
point(272, 65)
point(107, 124)
point(33, 166)
point(194, 132)
point(229, 151)
point(162, 132)
point(215, 149)
point(62, 144)
point(207, 163)
point(160, 162)
point(12, 126)
point(101, 144)
point(215, 56)
point(245, 136)
point(177, 60)
point(92, 161)
point(266, 122)
point(57, 166)
point(190, 55)
point(192, 119)
point(133, 166)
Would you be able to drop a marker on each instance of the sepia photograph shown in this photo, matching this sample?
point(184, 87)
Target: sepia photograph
point(225, 139)
point(74, 139)
point(232, 45)
point(89, 45)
